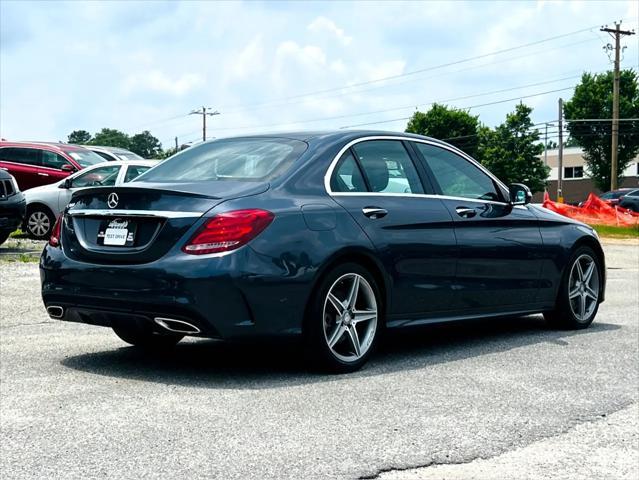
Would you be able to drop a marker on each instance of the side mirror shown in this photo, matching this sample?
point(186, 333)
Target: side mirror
point(67, 167)
point(519, 194)
point(66, 183)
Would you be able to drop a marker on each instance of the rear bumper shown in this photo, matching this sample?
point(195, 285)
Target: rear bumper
point(215, 294)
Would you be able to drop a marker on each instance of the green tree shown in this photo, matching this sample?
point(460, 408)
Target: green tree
point(593, 100)
point(145, 145)
point(79, 137)
point(512, 150)
point(110, 137)
point(455, 126)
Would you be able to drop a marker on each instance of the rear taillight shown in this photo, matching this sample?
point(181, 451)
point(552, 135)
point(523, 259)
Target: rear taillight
point(228, 231)
point(54, 240)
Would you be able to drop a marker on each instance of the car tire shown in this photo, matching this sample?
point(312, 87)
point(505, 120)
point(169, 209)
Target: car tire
point(343, 324)
point(145, 337)
point(579, 293)
point(38, 222)
point(4, 236)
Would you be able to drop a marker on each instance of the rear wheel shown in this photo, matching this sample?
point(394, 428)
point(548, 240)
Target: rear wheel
point(39, 222)
point(343, 321)
point(144, 337)
point(578, 299)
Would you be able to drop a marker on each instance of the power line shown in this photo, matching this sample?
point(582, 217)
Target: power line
point(431, 68)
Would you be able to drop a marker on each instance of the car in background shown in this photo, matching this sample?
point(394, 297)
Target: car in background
point(613, 197)
point(12, 205)
point(38, 163)
point(631, 200)
point(45, 203)
point(112, 154)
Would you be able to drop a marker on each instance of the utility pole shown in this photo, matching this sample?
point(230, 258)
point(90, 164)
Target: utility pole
point(202, 111)
point(617, 33)
point(176, 144)
point(560, 154)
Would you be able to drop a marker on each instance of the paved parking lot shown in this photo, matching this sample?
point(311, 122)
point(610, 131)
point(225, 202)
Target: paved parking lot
point(75, 402)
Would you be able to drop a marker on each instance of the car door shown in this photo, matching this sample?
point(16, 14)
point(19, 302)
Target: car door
point(103, 176)
point(23, 164)
point(500, 246)
point(377, 182)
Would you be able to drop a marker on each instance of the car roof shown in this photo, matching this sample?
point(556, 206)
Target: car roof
point(53, 145)
point(311, 136)
point(108, 149)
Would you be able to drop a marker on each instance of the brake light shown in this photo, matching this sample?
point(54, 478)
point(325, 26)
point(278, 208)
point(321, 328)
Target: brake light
point(54, 240)
point(228, 231)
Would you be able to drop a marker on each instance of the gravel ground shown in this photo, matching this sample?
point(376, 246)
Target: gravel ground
point(76, 402)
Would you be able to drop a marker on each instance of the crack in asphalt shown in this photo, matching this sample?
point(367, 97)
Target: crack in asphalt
point(433, 463)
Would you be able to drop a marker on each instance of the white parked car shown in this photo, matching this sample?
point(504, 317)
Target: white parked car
point(45, 203)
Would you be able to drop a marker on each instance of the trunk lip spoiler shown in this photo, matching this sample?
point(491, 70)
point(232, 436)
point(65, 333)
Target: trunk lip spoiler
point(133, 213)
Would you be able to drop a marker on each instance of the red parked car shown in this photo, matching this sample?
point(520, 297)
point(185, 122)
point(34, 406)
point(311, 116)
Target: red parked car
point(33, 164)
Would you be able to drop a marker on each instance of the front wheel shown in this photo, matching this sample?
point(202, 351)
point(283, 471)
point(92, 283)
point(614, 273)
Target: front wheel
point(579, 292)
point(39, 223)
point(139, 336)
point(343, 321)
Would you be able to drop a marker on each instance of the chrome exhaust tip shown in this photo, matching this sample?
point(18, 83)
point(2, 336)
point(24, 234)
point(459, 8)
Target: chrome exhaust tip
point(176, 326)
point(55, 311)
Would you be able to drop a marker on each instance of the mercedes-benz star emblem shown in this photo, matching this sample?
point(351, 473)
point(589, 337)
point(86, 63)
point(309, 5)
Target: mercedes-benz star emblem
point(112, 200)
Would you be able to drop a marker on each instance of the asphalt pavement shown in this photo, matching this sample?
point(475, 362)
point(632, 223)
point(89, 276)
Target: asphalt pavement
point(76, 402)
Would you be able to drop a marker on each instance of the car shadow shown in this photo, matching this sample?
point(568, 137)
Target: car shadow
point(216, 364)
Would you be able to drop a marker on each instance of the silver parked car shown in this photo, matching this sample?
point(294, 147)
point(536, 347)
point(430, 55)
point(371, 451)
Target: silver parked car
point(114, 154)
point(45, 203)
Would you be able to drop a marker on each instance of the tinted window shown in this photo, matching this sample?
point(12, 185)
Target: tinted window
point(387, 167)
point(27, 156)
point(98, 177)
point(134, 171)
point(243, 159)
point(456, 176)
point(347, 176)
point(85, 158)
point(634, 193)
point(52, 160)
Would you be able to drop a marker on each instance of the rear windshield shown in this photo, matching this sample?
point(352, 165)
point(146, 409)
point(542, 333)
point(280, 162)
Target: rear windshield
point(85, 158)
point(242, 159)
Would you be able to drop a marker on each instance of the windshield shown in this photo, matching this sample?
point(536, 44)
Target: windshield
point(128, 156)
point(242, 159)
point(85, 158)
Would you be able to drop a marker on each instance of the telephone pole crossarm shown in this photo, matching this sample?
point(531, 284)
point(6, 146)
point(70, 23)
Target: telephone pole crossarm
point(203, 111)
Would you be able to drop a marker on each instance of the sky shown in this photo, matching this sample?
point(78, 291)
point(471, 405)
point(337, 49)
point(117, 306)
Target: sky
point(277, 66)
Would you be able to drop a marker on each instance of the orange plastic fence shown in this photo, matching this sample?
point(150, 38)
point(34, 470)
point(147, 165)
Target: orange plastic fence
point(595, 211)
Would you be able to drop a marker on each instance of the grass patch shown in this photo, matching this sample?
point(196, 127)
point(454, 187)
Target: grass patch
point(18, 234)
point(609, 231)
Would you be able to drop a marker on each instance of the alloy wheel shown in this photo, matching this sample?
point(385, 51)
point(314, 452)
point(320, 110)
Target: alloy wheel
point(350, 317)
point(583, 287)
point(39, 223)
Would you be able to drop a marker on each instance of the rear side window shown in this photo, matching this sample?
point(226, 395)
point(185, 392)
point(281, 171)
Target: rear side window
point(348, 177)
point(387, 167)
point(133, 172)
point(26, 156)
point(456, 176)
point(239, 159)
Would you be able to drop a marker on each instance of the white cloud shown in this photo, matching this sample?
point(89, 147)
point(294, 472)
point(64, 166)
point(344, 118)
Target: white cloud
point(323, 24)
point(250, 60)
point(158, 81)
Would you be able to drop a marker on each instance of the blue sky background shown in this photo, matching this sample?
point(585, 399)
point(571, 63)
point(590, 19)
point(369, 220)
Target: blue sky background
point(145, 65)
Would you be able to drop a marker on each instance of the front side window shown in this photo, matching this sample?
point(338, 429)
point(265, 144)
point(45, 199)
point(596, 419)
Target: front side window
point(53, 160)
point(26, 156)
point(456, 176)
point(98, 177)
point(387, 167)
point(104, 155)
point(239, 159)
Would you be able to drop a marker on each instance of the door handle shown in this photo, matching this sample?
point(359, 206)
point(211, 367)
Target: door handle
point(466, 212)
point(374, 212)
point(43, 174)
